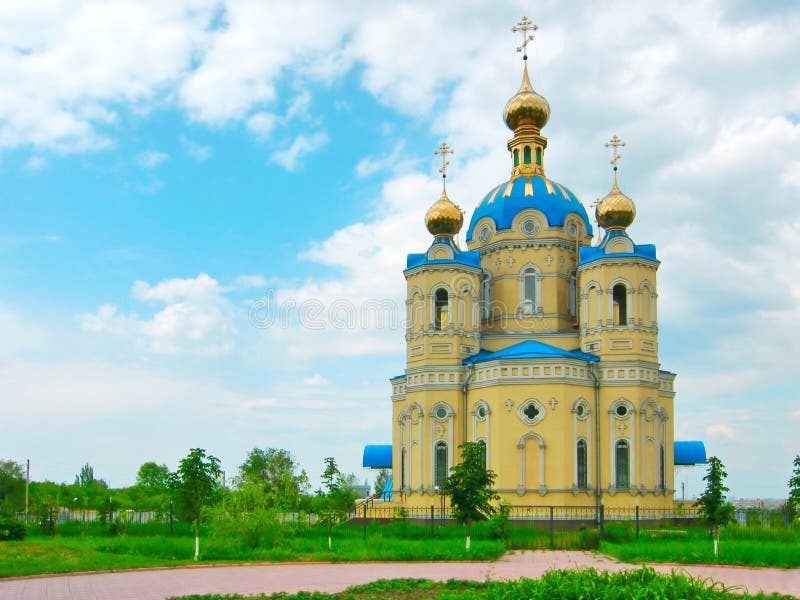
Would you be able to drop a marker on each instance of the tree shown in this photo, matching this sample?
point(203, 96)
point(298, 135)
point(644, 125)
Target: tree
point(793, 503)
point(714, 507)
point(12, 486)
point(86, 475)
point(277, 474)
point(331, 475)
point(197, 486)
point(153, 477)
point(469, 486)
point(380, 481)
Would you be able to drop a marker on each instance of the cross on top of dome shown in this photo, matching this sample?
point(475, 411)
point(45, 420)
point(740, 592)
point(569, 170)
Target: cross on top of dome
point(525, 25)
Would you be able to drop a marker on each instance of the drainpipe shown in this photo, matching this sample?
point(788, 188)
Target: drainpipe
point(597, 491)
point(464, 389)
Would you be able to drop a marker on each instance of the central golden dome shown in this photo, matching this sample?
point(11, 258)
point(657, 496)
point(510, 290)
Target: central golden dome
point(526, 107)
point(616, 210)
point(444, 217)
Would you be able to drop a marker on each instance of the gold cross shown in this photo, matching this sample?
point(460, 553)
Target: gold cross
point(525, 25)
point(444, 150)
point(615, 143)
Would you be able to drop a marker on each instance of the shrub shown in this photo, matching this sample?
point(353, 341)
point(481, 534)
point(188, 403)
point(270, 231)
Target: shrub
point(618, 533)
point(11, 529)
point(498, 523)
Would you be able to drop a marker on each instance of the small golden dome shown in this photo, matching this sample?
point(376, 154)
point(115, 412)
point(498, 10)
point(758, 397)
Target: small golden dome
point(616, 210)
point(444, 217)
point(526, 107)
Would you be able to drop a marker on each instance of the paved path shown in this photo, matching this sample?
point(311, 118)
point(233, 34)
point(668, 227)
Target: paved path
point(157, 584)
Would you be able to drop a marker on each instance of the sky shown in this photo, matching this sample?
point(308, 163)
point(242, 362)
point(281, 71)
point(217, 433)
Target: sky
point(205, 208)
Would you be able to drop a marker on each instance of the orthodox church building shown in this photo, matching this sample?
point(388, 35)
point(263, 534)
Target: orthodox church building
point(535, 341)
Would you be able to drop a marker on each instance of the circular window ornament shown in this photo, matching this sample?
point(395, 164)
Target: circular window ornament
point(572, 230)
point(481, 412)
point(580, 410)
point(441, 412)
point(531, 412)
point(622, 410)
point(529, 226)
point(485, 234)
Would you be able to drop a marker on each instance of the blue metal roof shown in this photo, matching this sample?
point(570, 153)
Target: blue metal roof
point(592, 253)
point(504, 202)
point(690, 453)
point(377, 457)
point(470, 258)
point(530, 349)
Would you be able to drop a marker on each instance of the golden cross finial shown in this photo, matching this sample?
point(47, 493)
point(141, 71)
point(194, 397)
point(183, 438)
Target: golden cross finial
point(444, 150)
point(615, 143)
point(525, 25)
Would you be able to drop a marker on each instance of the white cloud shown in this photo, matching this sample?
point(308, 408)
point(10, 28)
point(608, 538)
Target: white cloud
point(720, 430)
point(151, 158)
point(291, 157)
point(250, 281)
point(261, 124)
point(394, 162)
point(299, 106)
point(315, 380)
point(195, 150)
point(35, 163)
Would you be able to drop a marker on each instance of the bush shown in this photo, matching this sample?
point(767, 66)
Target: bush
point(619, 533)
point(498, 523)
point(11, 529)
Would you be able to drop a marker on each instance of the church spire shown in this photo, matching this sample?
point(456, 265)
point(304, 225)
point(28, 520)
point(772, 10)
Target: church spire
point(616, 210)
point(444, 218)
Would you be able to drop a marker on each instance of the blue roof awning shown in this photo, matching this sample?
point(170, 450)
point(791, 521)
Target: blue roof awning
point(690, 453)
point(378, 456)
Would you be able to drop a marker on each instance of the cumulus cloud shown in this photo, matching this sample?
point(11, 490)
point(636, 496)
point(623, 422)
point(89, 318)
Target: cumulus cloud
point(151, 158)
point(315, 379)
point(290, 157)
point(195, 150)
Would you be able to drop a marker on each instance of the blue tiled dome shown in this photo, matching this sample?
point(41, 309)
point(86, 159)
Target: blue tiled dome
point(503, 203)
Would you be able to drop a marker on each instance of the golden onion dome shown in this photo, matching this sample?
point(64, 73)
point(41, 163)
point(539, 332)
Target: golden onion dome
point(616, 210)
point(444, 217)
point(526, 107)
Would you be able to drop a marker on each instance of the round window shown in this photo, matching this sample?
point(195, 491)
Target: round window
point(529, 226)
point(580, 410)
point(441, 412)
point(485, 234)
point(622, 410)
point(481, 412)
point(572, 230)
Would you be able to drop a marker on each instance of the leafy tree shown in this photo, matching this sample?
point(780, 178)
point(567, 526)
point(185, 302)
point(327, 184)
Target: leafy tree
point(152, 476)
point(380, 481)
point(277, 474)
point(469, 486)
point(86, 475)
point(793, 503)
point(714, 507)
point(12, 486)
point(198, 486)
point(331, 475)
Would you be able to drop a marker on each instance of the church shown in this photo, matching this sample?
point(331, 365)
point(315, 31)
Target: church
point(536, 341)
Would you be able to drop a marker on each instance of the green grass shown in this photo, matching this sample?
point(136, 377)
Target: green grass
point(641, 584)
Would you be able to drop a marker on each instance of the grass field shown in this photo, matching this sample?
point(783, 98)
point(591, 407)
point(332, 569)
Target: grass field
point(641, 584)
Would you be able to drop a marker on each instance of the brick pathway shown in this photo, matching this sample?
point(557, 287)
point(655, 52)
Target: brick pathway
point(157, 584)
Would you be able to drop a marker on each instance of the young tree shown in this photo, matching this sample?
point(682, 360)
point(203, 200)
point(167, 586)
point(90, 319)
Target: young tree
point(380, 481)
point(12, 486)
point(714, 507)
point(86, 475)
point(793, 502)
point(276, 473)
point(198, 485)
point(469, 486)
point(153, 477)
point(331, 475)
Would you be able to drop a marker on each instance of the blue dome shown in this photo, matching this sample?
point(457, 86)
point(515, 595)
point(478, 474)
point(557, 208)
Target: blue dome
point(503, 203)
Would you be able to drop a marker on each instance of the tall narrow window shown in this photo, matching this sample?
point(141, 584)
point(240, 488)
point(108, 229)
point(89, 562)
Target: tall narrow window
point(581, 457)
point(440, 309)
point(573, 293)
point(486, 295)
point(527, 155)
point(661, 474)
point(403, 469)
point(516, 157)
point(440, 469)
point(482, 444)
point(538, 156)
point(528, 291)
point(622, 454)
point(620, 301)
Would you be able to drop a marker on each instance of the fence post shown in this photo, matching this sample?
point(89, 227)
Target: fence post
point(432, 509)
point(365, 519)
point(552, 530)
point(601, 519)
point(637, 521)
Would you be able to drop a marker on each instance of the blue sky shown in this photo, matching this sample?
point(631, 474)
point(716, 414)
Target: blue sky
point(164, 167)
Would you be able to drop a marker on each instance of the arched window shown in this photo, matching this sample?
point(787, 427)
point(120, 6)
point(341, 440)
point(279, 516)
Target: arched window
point(538, 156)
point(528, 290)
point(440, 468)
point(527, 155)
point(516, 157)
point(440, 309)
point(486, 295)
point(403, 469)
point(622, 464)
point(620, 300)
point(581, 458)
point(661, 474)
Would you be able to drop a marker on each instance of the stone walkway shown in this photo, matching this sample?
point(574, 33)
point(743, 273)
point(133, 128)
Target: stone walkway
point(157, 584)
